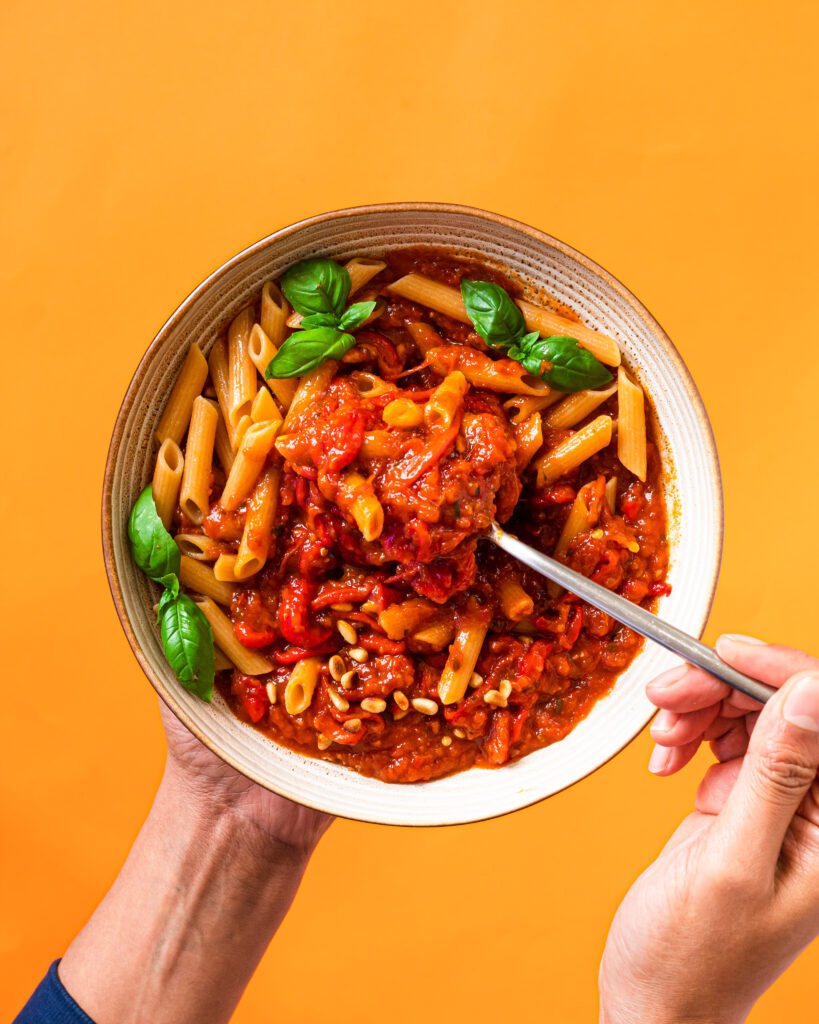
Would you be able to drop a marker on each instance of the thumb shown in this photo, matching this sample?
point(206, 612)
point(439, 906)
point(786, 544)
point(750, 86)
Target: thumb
point(777, 772)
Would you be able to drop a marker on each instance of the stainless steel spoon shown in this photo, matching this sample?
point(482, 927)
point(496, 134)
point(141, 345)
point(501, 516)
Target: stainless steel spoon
point(632, 615)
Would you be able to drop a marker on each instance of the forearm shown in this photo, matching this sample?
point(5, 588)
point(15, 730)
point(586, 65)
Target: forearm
point(190, 915)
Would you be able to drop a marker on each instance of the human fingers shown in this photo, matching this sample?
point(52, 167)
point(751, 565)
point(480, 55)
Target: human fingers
point(770, 663)
point(685, 688)
point(716, 787)
point(733, 743)
point(667, 760)
point(776, 775)
point(671, 729)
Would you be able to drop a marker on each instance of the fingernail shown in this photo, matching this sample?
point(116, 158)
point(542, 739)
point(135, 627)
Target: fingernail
point(741, 638)
point(802, 703)
point(673, 675)
point(663, 723)
point(659, 759)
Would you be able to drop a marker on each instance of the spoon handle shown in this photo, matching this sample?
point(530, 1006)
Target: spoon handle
point(632, 615)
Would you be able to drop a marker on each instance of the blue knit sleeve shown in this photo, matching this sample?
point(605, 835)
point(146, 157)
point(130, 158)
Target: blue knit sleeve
point(51, 1004)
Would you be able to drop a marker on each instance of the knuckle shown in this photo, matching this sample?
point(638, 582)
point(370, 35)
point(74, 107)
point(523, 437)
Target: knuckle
point(784, 770)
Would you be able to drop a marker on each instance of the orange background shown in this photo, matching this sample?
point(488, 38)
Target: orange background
point(145, 143)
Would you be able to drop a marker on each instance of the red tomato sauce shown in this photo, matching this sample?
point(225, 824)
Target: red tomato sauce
point(439, 490)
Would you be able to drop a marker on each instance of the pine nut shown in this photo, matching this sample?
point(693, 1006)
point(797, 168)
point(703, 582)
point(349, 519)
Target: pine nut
point(347, 679)
point(271, 692)
point(348, 634)
point(475, 680)
point(425, 705)
point(337, 667)
point(323, 741)
point(358, 653)
point(505, 689)
point(341, 703)
point(446, 741)
point(374, 704)
point(369, 606)
point(342, 606)
point(400, 699)
point(353, 725)
point(494, 698)
point(324, 552)
point(634, 547)
point(460, 734)
point(398, 715)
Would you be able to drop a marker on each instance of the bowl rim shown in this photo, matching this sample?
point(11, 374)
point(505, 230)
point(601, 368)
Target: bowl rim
point(625, 295)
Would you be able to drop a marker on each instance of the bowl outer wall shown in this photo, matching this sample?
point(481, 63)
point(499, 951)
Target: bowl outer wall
point(690, 475)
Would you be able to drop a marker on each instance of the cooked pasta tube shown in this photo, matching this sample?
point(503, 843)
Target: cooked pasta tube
point(382, 443)
point(436, 634)
point(298, 693)
point(576, 521)
point(261, 511)
point(264, 408)
point(425, 337)
point(200, 546)
point(221, 662)
point(220, 376)
point(175, 419)
point(400, 619)
point(222, 446)
point(242, 371)
point(275, 310)
point(362, 270)
point(200, 577)
point(195, 491)
point(224, 568)
point(575, 408)
point(631, 425)
point(504, 375)
point(262, 350)
point(569, 454)
point(515, 602)
point(463, 656)
point(167, 479)
point(529, 439)
point(311, 387)
point(520, 407)
point(611, 493)
point(250, 458)
point(403, 413)
point(370, 384)
point(250, 662)
point(447, 300)
point(358, 498)
point(445, 400)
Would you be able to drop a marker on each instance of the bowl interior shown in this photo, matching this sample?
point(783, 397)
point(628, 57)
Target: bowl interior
point(691, 480)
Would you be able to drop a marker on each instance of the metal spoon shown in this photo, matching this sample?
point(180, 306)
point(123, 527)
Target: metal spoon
point(632, 615)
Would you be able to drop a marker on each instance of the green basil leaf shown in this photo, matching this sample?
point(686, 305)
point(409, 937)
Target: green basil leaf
point(188, 642)
point(572, 368)
point(304, 350)
point(319, 320)
point(493, 313)
point(355, 315)
point(317, 286)
point(152, 546)
point(529, 339)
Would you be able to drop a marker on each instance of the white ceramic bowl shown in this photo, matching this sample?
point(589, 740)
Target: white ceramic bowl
point(691, 478)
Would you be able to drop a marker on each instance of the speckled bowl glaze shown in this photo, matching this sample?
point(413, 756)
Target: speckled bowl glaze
point(691, 478)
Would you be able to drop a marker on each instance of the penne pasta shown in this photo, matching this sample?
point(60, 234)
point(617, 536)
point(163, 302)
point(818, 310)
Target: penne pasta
point(358, 498)
point(569, 454)
point(611, 493)
point(167, 479)
point(200, 577)
point(264, 408)
point(436, 635)
point(175, 419)
point(514, 600)
point(631, 425)
point(576, 521)
point(504, 375)
point(194, 494)
point(370, 384)
point(242, 372)
point(261, 511)
point(425, 337)
point(200, 546)
point(222, 446)
point(250, 662)
point(262, 350)
point(463, 656)
point(445, 401)
point(521, 407)
point(403, 413)
point(224, 568)
point(221, 662)
point(362, 271)
point(298, 693)
point(447, 300)
point(220, 376)
point(400, 619)
point(274, 313)
point(382, 444)
point(254, 449)
point(575, 408)
point(529, 439)
point(311, 387)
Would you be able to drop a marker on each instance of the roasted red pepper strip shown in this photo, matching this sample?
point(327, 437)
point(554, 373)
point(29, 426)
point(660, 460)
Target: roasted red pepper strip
point(253, 638)
point(294, 615)
point(342, 594)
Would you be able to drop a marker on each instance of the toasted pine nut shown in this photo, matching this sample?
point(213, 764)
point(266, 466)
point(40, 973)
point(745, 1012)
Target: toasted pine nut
point(348, 634)
point(347, 679)
point(494, 698)
point(271, 692)
point(342, 606)
point(446, 741)
point(337, 667)
point(375, 704)
point(425, 705)
point(505, 689)
point(324, 552)
point(341, 703)
point(323, 741)
point(358, 653)
point(475, 680)
point(460, 734)
point(369, 606)
point(398, 715)
point(353, 725)
point(400, 699)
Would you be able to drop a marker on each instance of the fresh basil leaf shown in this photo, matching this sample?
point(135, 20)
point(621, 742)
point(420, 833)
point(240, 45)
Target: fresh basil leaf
point(355, 315)
point(529, 339)
point(188, 642)
point(304, 350)
point(319, 320)
point(493, 313)
point(317, 286)
point(152, 546)
point(572, 368)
